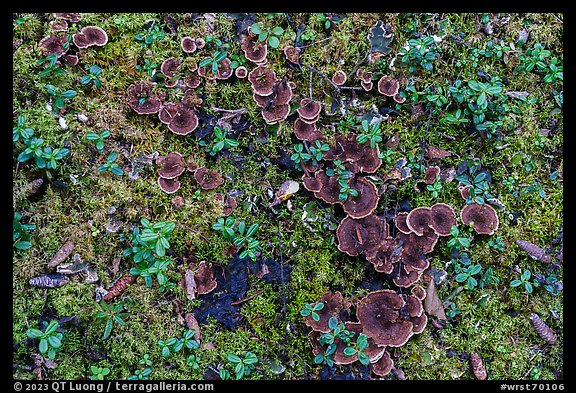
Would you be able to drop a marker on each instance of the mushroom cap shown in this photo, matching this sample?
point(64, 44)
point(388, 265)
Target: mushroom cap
point(419, 292)
point(484, 217)
point(167, 112)
point(200, 43)
point(433, 152)
point(169, 186)
point(188, 44)
point(241, 72)
point(58, 25)
point(69, 16)
point(171, 165)
point(465, 191)
point(190, 99)
point(431, 173)
point(224, 70)
point(306, 132)
point(383, 366)
point(192, 80)
point(382, 260)
point(53, 45)
point(366, 201)
point(367, 86)
point(184, 121)
point(330, 190)
point(208, 179)
point(262, 80)
point(424, 243)
point(374, 352)
point(262, 101)
point(419, 219)
point(405, 276)
point(89, 36)
point(309, 109)
point(339, 78)
point(399, 99)
point(364, 75)
point(359, 157)
point(283, 92)
point(72, 59)
point(254, 51)
point(400, 222)
point(312, 183)
point(443, 218)
point(388, 86)
point(204, 278)
point(362, 236)
point(380, 315)
point(229, 205)
point(333, 303)
point(275, 112)
point(169, 68)
point(143, 90)
point(292, 53)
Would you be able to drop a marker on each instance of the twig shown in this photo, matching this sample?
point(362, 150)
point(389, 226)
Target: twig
point(446, 136)
point(281, 270)
point(310, 87)
point(237, 302)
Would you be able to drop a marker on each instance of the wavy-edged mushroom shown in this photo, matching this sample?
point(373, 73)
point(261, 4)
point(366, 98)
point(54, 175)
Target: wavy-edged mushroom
point(169, 186)
point(69, 16)
point(72, 59)
point(382, 366)
point(312, 182)
point(204, 278)
point(167, 112)
point(443, 218)
point(191, 99)
point(192, 80)
point(330, 190)
point(382, 260)
point(254, 50)
point(367, 86)
point(292, 54)
point(171, 165)
point(142, 99)
point(58, 25)
point(362, 236)
point(200, 43)
point(399, 99)
point(388, 86)
point(262, 80)
point(169, 69)
point(404, 275)
point(241, 72)
point(309, 109)
point(306, 132)
point(208, 179)
point(188, 44)
point(53, 45)
point(184, 121)
point(275, 112)
point(373, 351)
point(419, 219)
point(431, 173)
point(483, 218)
point(339, 78)
point(400, 223)
point(89, 36)
point(366, 201)
point(333, 302)
point(465, 191)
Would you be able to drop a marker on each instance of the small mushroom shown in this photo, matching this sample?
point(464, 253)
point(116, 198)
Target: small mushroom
point(69, 16)
point(431, 173)
point(241, 72)
point(292, 53)
point(204, 278)
point(367, 86)
point(333, 302)
point(200, 43)
point(309, 109)
point(366, 201)
point(383, 366)
point(306, 132)
point(400, 223)
point(142, 99)
point(72, 59)
point(208, 179)
point(443, 218)
point(254, 50)
point(388, 86)
point(169, 69)
point(419, 219)
point(59, 25)
point(399, 99)
point(167, 112)
point(192, 80)
point(373, 351)
point(169, 186)
point(364, 236)
point(184, 121)
point(53, 45)
point(188, 44)
point(171, 165)
point(275, 113)
point(339, 78)
point(483, 218)
point(89, 36)
point(262, 80)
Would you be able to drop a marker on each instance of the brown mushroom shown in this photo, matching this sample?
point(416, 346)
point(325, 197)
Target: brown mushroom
point(405, 276)
point(388, 86)
point(330, 190)
point(200, 43)
point(275, 113)
point(443, 218)
point(309, 109)
point(382, 259)
point(400, 222)
point(431, 173)
point(306, 132)
point(142, 99)
point(89, 36)
point(169, 69)
point(69, 16)
point(204, 278)
point(241, 72)
point(171, 165)
point(399, 99)
point(192, 80)
point(262, 80)
point(169, 186)
point(333, 302)
point(339, 78)
point(312, 183)
point(419, 219)
point(177, 202)
point(483, 218)
point(53, 45)
point(465, 191)
point(191, 99)
point(364, 236)
point(373, 351)
point(383, 366)
point(367, 86)
point(72, 59)
point(167, 112)
point(366, 201)
point(184, 121)
point(283, 92)
point(292, 54)
point(58, 25)
point(224, 69)
point(254, 50)
point(188, 45)
point(208, 179)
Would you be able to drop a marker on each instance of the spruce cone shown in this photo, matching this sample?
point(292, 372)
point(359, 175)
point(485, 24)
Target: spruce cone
point(478, 367)
point(534, 251)
point(119, 287)
point(544, 331)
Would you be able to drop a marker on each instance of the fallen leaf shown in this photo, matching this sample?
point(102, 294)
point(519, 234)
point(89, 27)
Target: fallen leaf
point(436, 153)
point(192, 324)
point(432, 304)
point(190, 284)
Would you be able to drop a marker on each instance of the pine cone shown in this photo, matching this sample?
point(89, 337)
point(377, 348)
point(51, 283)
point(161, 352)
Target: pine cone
point(119, 287)
point(534, 251)
point(543, 330)
point(478, 367)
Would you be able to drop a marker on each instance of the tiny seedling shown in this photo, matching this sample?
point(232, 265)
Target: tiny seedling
point(98, 139)
point(435, 188)
point(497, 244)
point(112, 314)
point(467, 274)
point(151, 35)
point(44, 157)
point(149, 67)
point(271, 36)
point(50, 340)
point(457, 242)
point(242, 366)
point(346, 190)
point(524, 281)
point(220, 142)
point(98, 373)
point(300, 156)
point(51, 66)
point(93, 76)
point(111, 165)
point(60, 97)
point(317, 151)
point(20, 235)
point(370, 133)
point(21, 131)
point(308, 309)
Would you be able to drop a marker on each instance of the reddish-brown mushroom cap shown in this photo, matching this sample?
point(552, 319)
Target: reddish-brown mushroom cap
point(333, 302)
point(167, 112)
point(53, 45)
point(399, 99)
point(382, 260)
point(171, 165)
point(443, 218)
point(188, 45)
point(306, 132)
point(276, 112)
point(204, 278)
point(283, 92)
point(388, 86)
point(208, 179)
point(419, 292)
point(405, 276)
point(72, 59)
point(69, 16)
point(330, 190)
point(373, 351)
point(169, 69)
point(89, 36)
point(366, 201)
point(292, 54)
point(424, 243)
point(262, 80)
point(309, 109)
point(465, 191)
point(58, 25)
point(419, 219)
point(312, 183)
point(400, 222)
point(367, 86)
point(383, 366)
point(241, 72)
point(192, 80)
point(184, 121)
point(191, 99)
point(484, 217)
point(200, 43)
point(339, 78)
point(142, 99)
point(224, 70)
point(379, 313)
point(169, 186)
point(362, 236)
point(431, 173)
point(253, 50)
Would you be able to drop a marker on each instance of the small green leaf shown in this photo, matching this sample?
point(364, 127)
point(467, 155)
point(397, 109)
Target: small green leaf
point(349, 351)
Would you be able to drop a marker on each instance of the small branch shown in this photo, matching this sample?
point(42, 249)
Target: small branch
point(447, 136)
point(237, 302)
point(282, 271)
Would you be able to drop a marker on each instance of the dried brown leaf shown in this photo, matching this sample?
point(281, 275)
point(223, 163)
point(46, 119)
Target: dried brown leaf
point(119, 287)
point(190, 284)
point(192, 323)
point(432, 303)
point(436, 153)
